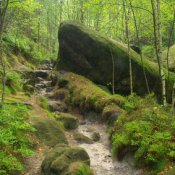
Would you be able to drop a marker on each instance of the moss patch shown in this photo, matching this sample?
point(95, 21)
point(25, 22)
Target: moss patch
point(86, 95)
point(82, 138)
point(69, 121)
point(49, 131)
point(79, 168)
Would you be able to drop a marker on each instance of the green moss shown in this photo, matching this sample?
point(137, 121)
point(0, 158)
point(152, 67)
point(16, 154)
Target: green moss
point(171, 172)
point(43, 102)
point(49, 131)
point(86, 95)
point(111, 113)
point(69, 121)
point(61, 159)
point(79, 168)
point(82, 138)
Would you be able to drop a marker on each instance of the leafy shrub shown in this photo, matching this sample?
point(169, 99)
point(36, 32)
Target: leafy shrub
point(13, 81)
point(149, 51)
point(14, 142)
point(147, 130)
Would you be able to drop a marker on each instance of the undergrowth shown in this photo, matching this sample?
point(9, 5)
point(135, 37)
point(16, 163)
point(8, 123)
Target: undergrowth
point(146, 129)
point(27, 47)
point(14, 142)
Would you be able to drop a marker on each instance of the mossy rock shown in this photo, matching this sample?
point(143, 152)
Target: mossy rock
point(96, 136)
point(111, 113)
point(49, 131)
point(82, 138)
point(86, 52)
point(59, 160)
point(79, 168)
point(60, 94)
point(171, 172)
point(69, 121)
point(84, 94)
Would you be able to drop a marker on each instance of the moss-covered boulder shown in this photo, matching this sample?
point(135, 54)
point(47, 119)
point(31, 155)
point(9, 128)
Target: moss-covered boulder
point(171, 58)
point(58, 160)
point(49, 131)
point(87, 96)
point(80, 138)
point(86, 52)
point(69, 121)
point(111, 113)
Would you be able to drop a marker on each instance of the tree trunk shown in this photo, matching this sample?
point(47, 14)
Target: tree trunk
point(3, 9)
point(127, 15)
point(139, 45)
point(158, 45)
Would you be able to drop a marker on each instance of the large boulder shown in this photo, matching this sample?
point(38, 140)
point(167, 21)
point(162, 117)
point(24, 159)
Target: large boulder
point(86, 52)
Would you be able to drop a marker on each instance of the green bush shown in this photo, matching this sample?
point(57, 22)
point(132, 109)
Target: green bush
point(13, 81)
point(149, 51)
point(147, 130)
point(14, 142)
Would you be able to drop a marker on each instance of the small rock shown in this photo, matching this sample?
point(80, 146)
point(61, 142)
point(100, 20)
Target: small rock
point(82, 138)
point(57, 106)
point(82, 122)
point(96, 136)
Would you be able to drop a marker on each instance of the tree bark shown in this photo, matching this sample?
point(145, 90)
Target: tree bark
point(3, 9)
point(139, 45)
point(158, 45)
point(127, 15)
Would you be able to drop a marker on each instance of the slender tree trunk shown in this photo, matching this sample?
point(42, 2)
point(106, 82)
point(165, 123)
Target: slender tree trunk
point(99, 16)
point(3, 9)
point(39, 23)
point(158, 45)
point(140, 47)
point(81, 11)
point(127, 15)
point(163, 80)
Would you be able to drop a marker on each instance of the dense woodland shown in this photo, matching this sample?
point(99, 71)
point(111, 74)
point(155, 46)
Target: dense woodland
point(141, 124)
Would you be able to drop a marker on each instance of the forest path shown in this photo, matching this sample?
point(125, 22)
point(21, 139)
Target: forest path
point(99, 151)
point(33, 163)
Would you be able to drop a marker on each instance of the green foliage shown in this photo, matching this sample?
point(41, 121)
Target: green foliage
point(14, 141)
point(86, 95)
point(148, 130)
point(25, 46)
point(13, 81)
point(149, 51)
point(84, 170)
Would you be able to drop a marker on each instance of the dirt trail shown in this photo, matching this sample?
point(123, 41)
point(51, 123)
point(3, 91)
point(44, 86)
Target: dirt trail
point(99, 152)
point(33, 163)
